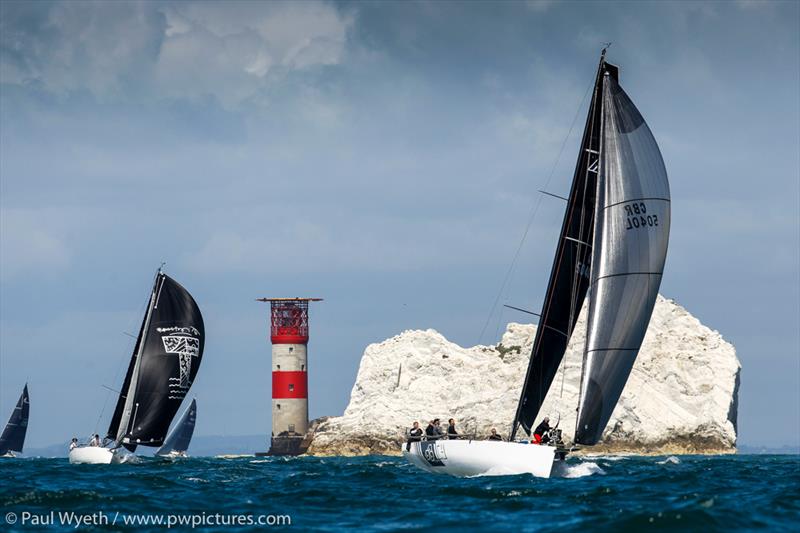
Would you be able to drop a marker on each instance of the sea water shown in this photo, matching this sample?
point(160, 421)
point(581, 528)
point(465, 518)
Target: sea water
point(385, 493)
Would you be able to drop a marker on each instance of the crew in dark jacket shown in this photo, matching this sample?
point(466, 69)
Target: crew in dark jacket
point(540, 433)
point(430, 431)
point(414, 435)
point(451, 429)
point(494, 435)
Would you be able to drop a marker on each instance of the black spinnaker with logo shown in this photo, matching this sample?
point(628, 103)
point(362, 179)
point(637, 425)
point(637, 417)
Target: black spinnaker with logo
point(163, 366)
point(13, 437)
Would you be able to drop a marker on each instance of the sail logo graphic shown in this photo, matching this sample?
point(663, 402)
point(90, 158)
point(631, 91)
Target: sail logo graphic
point(185, 342)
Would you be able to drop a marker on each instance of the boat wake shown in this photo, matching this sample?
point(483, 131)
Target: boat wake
point(129, 458)
point(571, 471)
point(500, 471)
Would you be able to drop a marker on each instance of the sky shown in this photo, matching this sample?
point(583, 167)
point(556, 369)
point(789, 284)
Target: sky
point(383, 156)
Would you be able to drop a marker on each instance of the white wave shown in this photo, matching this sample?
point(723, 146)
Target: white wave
point(197, 479)
point(671, 460)
point(500, 471)
point(571, 471)
point(609, 457)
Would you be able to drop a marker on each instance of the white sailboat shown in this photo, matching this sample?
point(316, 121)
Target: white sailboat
point(12, 439)
point(165, 360)
point(611, 253)
point(177, 442)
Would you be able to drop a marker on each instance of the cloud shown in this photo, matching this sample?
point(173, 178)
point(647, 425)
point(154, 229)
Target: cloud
point(105, 47)
point(229, 51)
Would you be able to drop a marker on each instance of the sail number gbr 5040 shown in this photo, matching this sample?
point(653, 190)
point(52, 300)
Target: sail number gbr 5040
point(638, 217)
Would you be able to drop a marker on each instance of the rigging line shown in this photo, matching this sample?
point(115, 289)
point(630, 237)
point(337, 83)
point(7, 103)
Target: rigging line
point(131, 321)
point(533, 215)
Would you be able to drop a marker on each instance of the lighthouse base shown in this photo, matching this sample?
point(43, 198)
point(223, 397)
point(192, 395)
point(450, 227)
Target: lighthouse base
point(289, 445)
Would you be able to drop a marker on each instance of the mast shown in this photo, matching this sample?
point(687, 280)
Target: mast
point(130, 395)
point(569, 276)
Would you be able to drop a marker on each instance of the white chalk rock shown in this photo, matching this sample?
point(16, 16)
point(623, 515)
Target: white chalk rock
point(681, 396)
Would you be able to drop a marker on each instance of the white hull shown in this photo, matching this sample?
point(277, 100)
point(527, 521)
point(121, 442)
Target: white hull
point(93, 455)
point(465, 458)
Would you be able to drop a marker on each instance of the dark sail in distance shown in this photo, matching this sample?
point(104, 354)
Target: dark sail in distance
point(168, 353)
point(569, 278)
point(13, 437)
point(181, 435)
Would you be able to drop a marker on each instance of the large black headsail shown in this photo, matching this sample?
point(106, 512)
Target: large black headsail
point(569, 278)
point(13, 437)
point(164, 366)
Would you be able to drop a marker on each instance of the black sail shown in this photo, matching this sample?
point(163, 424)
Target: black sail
point(169, 355)
point(181, 435)
point(13, 437)
point(569, 278)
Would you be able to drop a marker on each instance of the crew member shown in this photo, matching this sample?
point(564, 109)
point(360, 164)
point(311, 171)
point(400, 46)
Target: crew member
point(95, 440)
point(73, 444)
point(494, 435)
point(540, 433)
point(451, 429)
point(430, 431)
point(414, 435)
point(437, 428)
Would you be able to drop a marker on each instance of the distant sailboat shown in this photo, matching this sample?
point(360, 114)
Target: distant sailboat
point(177, 442)
point(165, 360)
point(13, 437)
point(613, 246)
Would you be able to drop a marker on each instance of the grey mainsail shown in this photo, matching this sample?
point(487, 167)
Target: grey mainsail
point(13, 437)
point(631, 234)
point(181, 435)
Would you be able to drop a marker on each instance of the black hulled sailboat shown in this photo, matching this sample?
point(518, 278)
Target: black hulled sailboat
point(611, 253)
point(164, 363)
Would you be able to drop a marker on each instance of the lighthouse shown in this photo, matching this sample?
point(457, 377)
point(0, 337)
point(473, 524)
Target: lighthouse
point(289, 336)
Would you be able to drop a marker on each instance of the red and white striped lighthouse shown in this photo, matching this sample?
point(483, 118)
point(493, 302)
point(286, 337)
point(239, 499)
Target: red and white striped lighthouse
point(289, 335)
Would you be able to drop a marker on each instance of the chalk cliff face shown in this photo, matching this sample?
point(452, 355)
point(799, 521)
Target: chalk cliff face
point(681, 396)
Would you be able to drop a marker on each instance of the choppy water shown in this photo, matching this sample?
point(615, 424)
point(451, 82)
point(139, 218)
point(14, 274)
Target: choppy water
point(383, 493)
